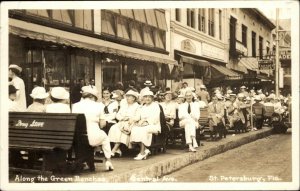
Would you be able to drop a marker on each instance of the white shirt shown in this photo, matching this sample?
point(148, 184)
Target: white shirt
point(169, 109)
point(183, 111)
point(21, 97)
point(201, 104)
point(58, 108)
point(93, 111)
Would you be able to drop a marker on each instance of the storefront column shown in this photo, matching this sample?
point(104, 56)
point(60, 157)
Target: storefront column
point(98, 73)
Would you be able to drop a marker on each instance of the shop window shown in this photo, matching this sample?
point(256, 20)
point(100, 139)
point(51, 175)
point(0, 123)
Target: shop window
point(122, 28)
point(148, 36)
point(136, 35)
point(161, 20)
point(253, 44)
point(220, 24)
point(108, 23)
point(260, 39)
point(111, 74)
point(62, 16)
point(159, 39)
point(201, 20)
point(140, 73)
point(139, 15)
point(268, 47)
point(82, 66)
point(150, 15)
point(188, 71)
point(127, 13)
point(38, 12)
point(83, 19)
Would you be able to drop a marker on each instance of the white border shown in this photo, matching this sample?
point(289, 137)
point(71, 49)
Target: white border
point(294, 5)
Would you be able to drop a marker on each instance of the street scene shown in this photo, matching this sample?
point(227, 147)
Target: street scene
point(160, 95)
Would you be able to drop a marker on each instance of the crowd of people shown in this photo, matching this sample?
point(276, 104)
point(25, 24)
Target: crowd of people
point(130, 117)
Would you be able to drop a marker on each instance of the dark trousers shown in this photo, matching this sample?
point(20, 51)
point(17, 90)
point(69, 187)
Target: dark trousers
point(259, 123)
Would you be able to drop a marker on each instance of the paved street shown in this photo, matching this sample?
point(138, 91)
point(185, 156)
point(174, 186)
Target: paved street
point(267, 159)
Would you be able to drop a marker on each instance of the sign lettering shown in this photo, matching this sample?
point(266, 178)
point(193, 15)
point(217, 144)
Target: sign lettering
point(34, 123)
point(265, 65)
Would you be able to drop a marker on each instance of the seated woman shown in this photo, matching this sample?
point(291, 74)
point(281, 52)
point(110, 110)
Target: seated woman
point(169, 108)
point(94, 115)
point(127, 117)
point(149, 123)
point(59, 97)
point(39, 96)
point(110, 109)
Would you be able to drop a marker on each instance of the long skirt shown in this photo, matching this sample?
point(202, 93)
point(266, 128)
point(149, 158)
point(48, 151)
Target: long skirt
point(143, 134)
point(117, 136)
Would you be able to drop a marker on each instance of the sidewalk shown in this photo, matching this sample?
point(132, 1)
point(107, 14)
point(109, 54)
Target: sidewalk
point(129, 170)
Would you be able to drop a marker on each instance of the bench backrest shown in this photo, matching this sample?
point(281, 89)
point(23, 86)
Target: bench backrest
point(203, 120)
point(43, 130)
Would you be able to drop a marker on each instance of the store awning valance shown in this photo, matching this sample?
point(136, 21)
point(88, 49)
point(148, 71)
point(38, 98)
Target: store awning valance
point(250, 64)
point(224, 72)
point(38, 32)
point(191, 60)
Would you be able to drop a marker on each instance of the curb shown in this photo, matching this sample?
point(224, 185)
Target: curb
point(153, 172)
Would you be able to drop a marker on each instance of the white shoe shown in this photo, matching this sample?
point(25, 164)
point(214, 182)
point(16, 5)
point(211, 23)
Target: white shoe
point(109, 166)
point(195, 144)
point(147, 151)
point(141, 157)
point(192, 149)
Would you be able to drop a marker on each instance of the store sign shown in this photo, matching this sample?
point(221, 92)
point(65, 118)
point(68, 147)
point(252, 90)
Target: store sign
point(188, 45)
point(265, 64)
point(284, 55)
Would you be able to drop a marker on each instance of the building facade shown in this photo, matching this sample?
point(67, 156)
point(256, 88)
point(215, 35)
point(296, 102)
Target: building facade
point(61, 47)
point(250, 41)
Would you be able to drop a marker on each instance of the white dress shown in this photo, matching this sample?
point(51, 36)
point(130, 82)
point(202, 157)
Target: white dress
point(143, 134)
point(115, 134)
point(93, 112)
point(110, 117)
point(21, 96)
point(58, 108)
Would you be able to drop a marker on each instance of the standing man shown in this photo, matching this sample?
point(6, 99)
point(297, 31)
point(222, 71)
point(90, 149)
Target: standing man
point(189, 114)
point(203, 95)
point(14, 73)
point(244, 91)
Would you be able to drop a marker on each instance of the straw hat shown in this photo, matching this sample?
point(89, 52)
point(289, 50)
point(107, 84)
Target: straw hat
point(148, 83)
point(257, 98)
point(15, 67)
point(59, 93)
point(90, 90)
point(148, 93)
point(39, 93)
point(243, 87)
point(202, 86)
point(132, 93)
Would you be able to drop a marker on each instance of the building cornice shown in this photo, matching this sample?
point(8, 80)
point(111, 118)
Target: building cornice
point(193, 34)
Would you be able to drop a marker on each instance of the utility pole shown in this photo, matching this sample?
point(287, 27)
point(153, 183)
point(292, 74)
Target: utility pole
point(277, 55)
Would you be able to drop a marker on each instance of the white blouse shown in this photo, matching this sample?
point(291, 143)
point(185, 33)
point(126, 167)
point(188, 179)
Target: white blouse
point(110, 117)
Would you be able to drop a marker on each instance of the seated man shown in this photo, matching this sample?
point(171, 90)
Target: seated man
point(215, 114)
point(189, 114)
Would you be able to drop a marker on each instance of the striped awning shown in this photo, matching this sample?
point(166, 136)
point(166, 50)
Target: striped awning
point(194, 61)
point(39, 32)
point(225, 72)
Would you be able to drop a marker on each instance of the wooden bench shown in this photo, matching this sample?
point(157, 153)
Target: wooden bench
point(50, 136)
point(269, 110)
point(203, 122)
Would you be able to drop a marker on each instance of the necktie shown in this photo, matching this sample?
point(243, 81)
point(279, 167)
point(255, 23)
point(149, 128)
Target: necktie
point(189, 108)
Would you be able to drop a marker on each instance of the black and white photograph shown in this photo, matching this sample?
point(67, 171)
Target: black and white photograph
point(152, 95)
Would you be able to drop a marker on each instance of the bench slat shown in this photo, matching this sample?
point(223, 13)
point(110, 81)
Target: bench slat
point(35, 144)
point(45, 136)
point(41, 140)
point(41, 132)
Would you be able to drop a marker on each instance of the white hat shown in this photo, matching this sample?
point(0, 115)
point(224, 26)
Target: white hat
point(114, 95)
point(272, 96)
point(241, 95)
point(258, 98)
point(229, 91)
point(180, 96)
point(59, 93)
point(232, 94)
point(192, 89)
point(15, 67)
point(259, 91)
point(248, 98)
point(133, 93)
point(148, 83)
point(243, 87)
point(147, 93)
point(217, 91)
point(202, 86)
point(39, 93)
point(219, 96)
point(90, 90)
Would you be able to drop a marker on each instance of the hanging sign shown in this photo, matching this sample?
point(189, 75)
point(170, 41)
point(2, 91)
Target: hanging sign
point(265, 64)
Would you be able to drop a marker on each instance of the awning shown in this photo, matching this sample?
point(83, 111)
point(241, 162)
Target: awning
point(250, 63)
point(39, 32)
point(225, 72)
point(191, 60)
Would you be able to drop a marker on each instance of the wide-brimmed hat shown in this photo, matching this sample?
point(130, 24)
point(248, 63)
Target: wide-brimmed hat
point(89, 90)
point(240, 95)
point(39, 93)
point(15, 67)
point(229, 91)
point(59, 93)
point(148, 93)
point(259, 91)
point(257, 98)
point(148, 83)
point(12, 89)
point(132, 93)
point(232, 95)
point(202, 86)
point(243, 87)
point(117, 93)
